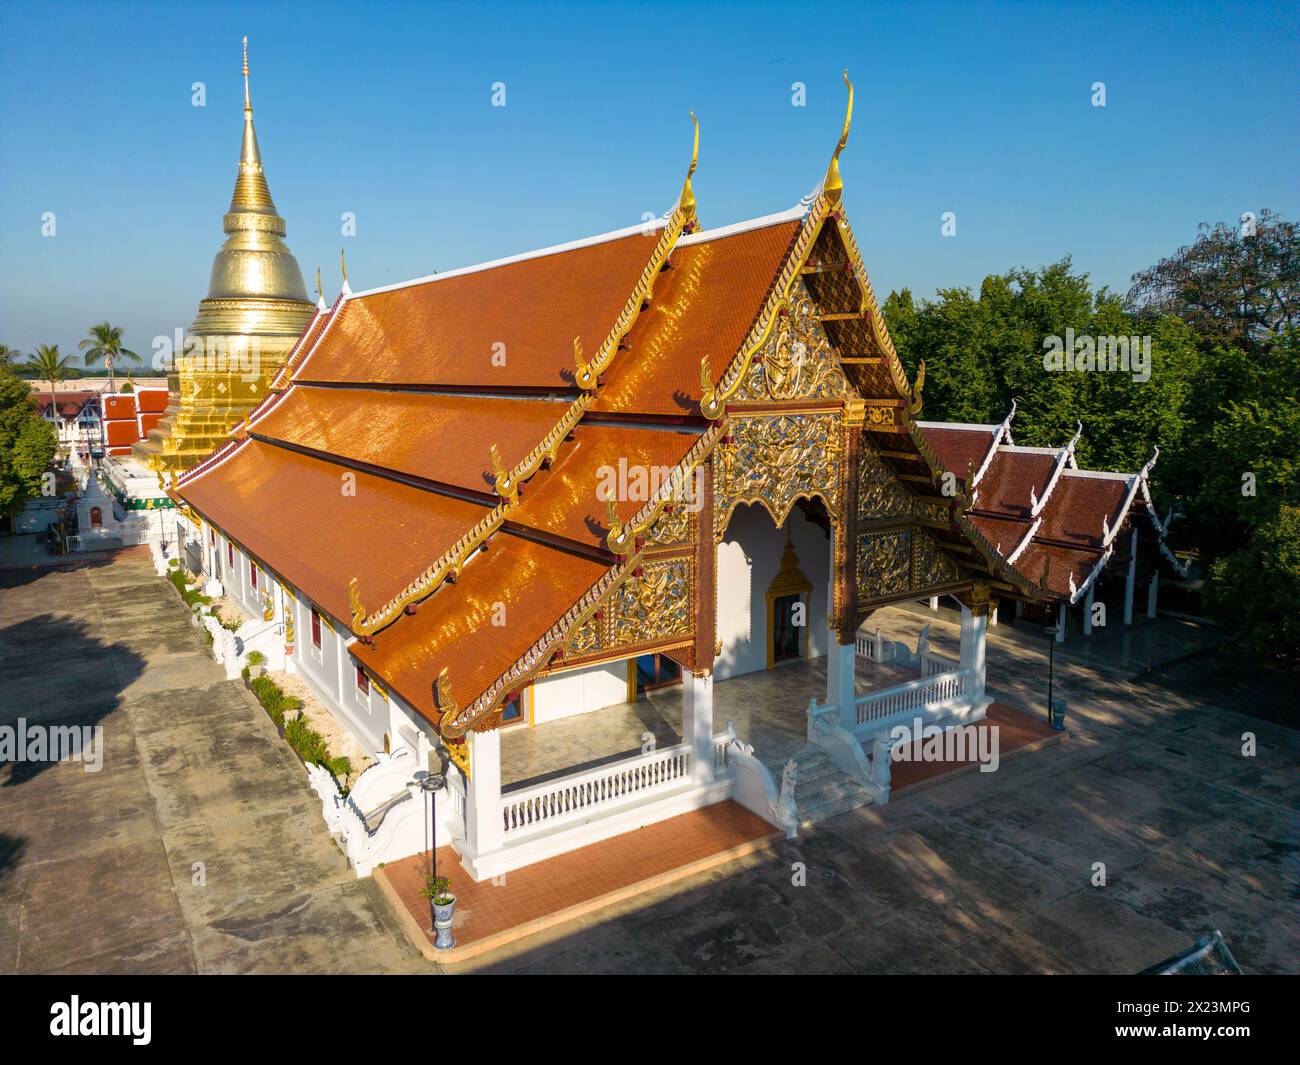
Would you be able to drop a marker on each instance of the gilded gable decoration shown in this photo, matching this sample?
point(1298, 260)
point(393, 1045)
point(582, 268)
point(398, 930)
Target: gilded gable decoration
point(796, 361)
point(880, 494)
point(776, 460)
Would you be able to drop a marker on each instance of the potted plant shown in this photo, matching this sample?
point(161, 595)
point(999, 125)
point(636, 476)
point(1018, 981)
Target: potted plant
point(442, 903)
point(256, 663)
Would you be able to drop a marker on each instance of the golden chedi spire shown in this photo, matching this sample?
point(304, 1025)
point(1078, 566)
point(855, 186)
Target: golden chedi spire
point(255, 309)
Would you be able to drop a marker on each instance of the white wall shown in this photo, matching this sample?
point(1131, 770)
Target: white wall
point(578, 691)
point(748, 558)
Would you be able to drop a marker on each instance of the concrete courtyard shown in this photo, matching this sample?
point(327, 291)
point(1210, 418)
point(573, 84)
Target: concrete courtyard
point(199, 848)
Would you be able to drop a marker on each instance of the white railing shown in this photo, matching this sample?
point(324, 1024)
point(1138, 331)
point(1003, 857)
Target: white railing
point(910, 696)
point(932, 664)
point(870, 646)
point(583, 796)
point(720, 742)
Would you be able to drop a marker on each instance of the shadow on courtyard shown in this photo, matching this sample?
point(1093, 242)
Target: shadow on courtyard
point(998, 873)
point(59, 677)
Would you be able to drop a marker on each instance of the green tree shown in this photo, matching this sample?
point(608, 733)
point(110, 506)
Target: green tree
point(53, 367)
point(8, 355)
point(1255, 590)
point(980, 352)
point(105, 342)
point(27, 444)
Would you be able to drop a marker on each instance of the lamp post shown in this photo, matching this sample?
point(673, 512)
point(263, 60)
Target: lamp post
point(433, 781)
point(1056, 722)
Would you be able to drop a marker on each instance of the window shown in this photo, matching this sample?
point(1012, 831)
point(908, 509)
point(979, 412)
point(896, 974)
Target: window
point(212, 537)
point(786, 635)
point(252, 574)
point(363, 682)
point(230, 554)
point(656, 671)
point(315, 628)
point(513, 709)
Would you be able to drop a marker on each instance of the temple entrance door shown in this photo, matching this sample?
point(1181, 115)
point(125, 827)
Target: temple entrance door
point(96, 517)
point(769, 610)
point(787, 627)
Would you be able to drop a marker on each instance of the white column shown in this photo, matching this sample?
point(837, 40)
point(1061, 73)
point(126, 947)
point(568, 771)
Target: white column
point(1087, 611)
point(973, 633)
point(483, 825)
point(993, 611)
point(934, 602)
point(1151, 595)
point(697, 723)
point(1060, 623)
point(1130, 582)
point(841, 674)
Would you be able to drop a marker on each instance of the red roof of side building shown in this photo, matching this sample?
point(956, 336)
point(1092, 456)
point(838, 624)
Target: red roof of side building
point(958, 446)
point(1015, 477)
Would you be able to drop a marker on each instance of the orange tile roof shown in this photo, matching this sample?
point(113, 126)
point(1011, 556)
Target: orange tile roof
point(525, 585)
point(510, 326)
point(291, 512)
point(564, 502)
point(433, 437)
point(705, 304)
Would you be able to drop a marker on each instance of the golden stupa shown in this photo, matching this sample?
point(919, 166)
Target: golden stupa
point(255, 309)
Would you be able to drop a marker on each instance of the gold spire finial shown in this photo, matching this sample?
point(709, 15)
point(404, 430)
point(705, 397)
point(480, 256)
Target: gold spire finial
point(320, 292)
point(833, 185)
point(248, 106)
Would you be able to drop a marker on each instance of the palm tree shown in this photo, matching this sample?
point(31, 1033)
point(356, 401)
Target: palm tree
point(8, 354)
point(54, 367)
point(105, 342)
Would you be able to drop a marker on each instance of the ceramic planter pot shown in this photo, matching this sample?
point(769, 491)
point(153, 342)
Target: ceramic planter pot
point(442, 912)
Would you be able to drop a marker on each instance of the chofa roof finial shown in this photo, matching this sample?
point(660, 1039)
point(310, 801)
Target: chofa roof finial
point(834, 185)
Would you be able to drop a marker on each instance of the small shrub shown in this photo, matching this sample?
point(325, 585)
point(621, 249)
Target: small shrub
point(309, 743)
point(256, 658)
point(437, 889)
point(341, 766)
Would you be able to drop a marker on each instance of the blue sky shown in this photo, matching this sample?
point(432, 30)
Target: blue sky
point(384, 110)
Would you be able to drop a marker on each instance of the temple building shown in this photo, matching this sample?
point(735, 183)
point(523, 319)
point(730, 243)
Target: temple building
point(1079, 533)
point(480, 502)
point(255, 309)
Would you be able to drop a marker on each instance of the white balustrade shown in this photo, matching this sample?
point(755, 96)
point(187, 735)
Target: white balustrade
point(910, 696)
point(580, 797)
point(933, 664)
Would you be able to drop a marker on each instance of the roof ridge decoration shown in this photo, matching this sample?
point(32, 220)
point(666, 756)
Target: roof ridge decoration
point(713, 399)
point(455, 720)
point(825, 205)
point(959, 505)
point(682, 220)
point(509, 482)
point(1002, 430)
point(1067, 456)
point(1025, 541)
point(447, 567)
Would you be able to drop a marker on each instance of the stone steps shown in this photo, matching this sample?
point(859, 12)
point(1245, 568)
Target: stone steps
point(822, 790)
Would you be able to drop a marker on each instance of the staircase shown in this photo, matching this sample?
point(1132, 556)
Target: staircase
point(822, 790)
